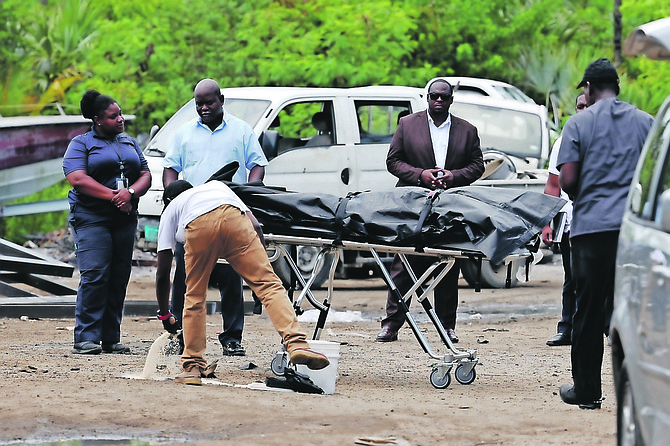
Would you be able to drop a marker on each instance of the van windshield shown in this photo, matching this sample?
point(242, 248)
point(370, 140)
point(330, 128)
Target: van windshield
point(513, 132)
point(249, 110)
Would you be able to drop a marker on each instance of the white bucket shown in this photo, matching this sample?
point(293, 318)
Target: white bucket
point(324, 378)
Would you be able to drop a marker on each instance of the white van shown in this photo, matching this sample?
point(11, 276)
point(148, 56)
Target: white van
point(335, 141)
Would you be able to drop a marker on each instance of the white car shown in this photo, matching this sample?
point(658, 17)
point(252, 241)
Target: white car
point(484, 87)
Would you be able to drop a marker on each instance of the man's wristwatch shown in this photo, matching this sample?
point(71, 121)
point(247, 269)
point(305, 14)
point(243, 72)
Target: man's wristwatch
point(132, 192)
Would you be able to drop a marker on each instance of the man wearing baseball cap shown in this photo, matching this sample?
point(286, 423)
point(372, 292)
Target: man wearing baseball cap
point(597, 159)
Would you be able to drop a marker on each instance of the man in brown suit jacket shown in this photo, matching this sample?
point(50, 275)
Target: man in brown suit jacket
point(435, 150)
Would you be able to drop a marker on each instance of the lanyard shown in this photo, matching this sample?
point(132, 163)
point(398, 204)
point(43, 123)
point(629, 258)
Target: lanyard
point(121, 167)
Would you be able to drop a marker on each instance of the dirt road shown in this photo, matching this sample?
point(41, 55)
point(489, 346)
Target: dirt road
point(383, 391)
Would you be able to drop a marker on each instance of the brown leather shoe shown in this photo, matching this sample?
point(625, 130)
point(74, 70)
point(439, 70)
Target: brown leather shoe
point(387, 334)
point(313, 360)
point(452, 335)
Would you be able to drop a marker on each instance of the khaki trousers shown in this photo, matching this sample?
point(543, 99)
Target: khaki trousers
point(227, 233)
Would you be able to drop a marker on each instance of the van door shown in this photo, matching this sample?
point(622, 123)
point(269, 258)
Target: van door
point(377, 120)
point(311, 152)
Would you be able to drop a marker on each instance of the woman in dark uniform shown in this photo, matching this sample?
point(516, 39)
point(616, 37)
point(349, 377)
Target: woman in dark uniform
point(108, 174)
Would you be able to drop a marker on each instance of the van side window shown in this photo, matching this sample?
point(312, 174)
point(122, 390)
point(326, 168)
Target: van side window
point(377, 120)
point(304, 124)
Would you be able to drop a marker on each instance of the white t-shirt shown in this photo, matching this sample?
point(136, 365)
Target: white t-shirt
point(553, 156)
point(190, 205)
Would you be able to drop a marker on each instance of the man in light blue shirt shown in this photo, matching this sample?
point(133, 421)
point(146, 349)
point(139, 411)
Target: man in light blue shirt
point(200, 148)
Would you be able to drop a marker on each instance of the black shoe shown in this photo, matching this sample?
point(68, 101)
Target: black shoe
point(86, 348)
point(569, 396)
point(258, 307)
point(387, 334)
point(180, 338)
point(452, 335)
point(560, 339)
point(233, 349)
point(115, 347)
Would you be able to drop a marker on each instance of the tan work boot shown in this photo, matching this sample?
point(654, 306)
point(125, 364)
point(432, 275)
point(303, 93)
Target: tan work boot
point(191, 377)
point(313, 360)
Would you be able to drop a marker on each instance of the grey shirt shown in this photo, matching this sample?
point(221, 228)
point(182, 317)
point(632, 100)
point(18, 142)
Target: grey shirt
point(606, 140)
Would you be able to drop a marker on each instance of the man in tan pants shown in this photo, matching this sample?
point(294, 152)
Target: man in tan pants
point(214, 223)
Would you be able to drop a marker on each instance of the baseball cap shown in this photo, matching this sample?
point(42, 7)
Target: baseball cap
point(173, 189)
point(600, 71)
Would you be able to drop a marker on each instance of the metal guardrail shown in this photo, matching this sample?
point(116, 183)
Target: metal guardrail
point(38, 207)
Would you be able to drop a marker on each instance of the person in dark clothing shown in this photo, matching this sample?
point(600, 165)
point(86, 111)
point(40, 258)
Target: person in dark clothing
point(435, 150)
point(108, 174)
point(597, 160)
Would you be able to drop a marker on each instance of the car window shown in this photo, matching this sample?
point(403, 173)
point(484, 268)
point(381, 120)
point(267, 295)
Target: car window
point(248, 110)
point(664, 183)
point(377, 120)
point(513, 93)
point(510, 131)
point(657, 147)
point(466, 89)
point(302, 124)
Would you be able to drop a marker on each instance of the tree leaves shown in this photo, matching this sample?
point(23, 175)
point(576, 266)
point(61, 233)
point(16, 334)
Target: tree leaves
point(150, 54)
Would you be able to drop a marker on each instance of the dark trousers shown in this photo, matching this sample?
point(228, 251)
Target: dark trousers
point(593, 265)
point(568, 294)
point(229, 284)
point(104, 249)
point(445, 293)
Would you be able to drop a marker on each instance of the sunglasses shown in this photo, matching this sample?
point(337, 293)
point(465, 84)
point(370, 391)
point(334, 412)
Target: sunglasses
point(581, 106)
point(436, 96)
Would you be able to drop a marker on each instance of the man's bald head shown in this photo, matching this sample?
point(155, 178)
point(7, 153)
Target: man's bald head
point(209, 102)
point(207, 86)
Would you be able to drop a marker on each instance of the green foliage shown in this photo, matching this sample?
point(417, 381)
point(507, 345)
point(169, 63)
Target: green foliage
point(149, 54)
point(58, 37)
point(15, 229)
point(41, 46)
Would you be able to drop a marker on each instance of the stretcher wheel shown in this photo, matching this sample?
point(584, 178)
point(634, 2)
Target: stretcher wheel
point(465, 378)
point(438, 380)
point(278, 365)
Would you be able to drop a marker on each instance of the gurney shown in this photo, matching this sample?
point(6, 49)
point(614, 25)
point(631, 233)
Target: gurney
point(476, 223)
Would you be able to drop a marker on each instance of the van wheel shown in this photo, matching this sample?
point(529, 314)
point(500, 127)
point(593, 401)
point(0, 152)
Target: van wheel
point(493, 275)
point(306, 260)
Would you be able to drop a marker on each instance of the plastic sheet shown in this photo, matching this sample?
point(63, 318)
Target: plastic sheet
point(496, 222)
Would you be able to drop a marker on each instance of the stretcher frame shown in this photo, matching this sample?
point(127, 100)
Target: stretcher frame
point(463, 361)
